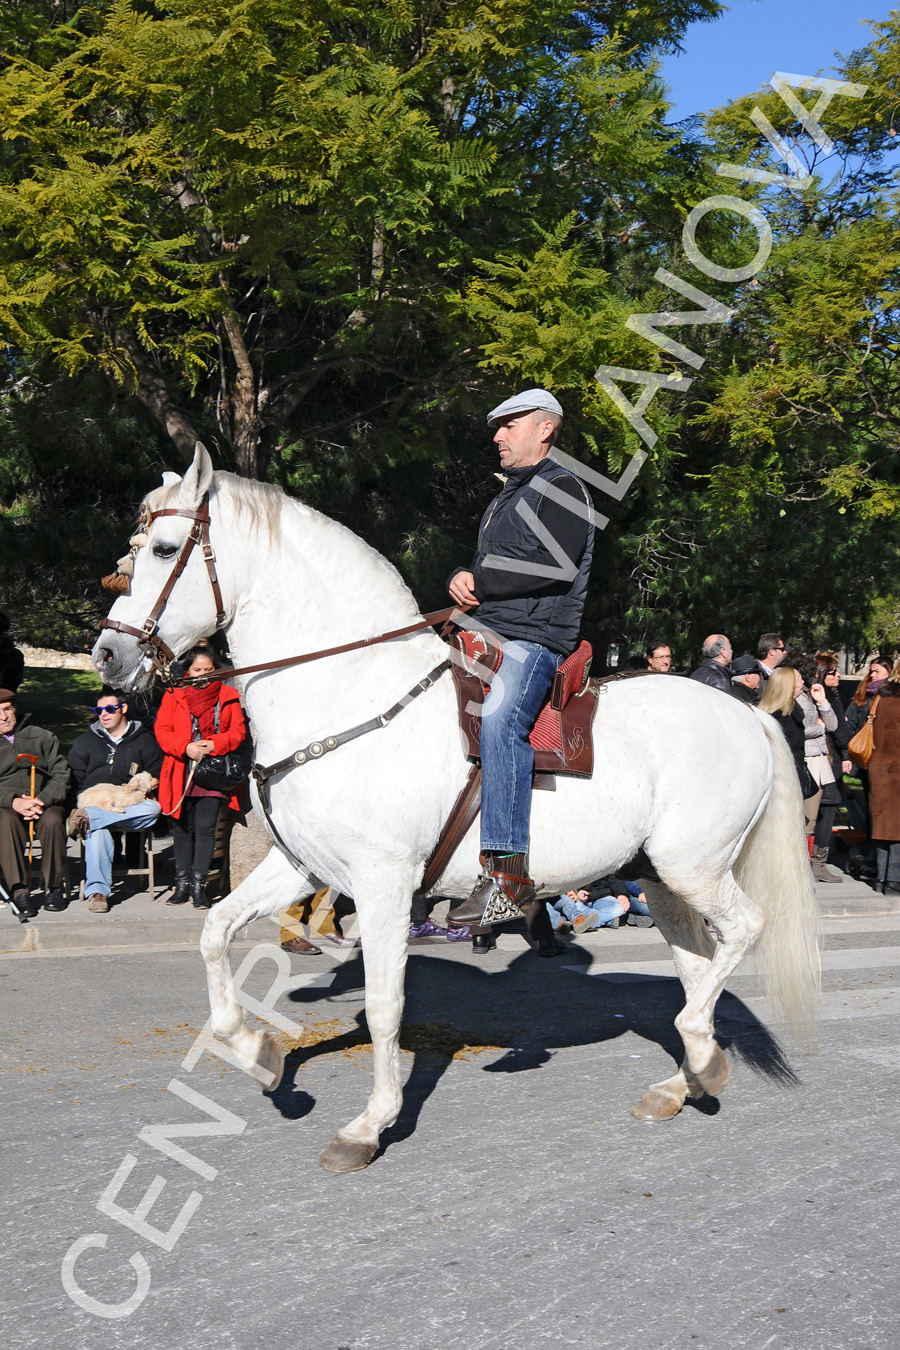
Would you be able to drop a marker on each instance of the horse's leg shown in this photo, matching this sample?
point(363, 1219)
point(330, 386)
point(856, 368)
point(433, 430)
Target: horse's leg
point(383, 927)
point(270, 887)
point(737, 922)
point(692, 949)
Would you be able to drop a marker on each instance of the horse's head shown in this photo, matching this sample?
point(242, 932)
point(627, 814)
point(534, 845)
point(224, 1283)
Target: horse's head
point(174, 596)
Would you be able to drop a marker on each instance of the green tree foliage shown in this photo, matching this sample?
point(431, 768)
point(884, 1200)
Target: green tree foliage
point(253, 214)
point(771, 496)
point(326, 238)
point(259, 221)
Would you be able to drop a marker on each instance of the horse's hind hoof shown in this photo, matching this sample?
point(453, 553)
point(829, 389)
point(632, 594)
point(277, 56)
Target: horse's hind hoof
point(347, 1155)
point(658, 1104)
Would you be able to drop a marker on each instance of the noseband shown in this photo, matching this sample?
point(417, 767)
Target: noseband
point(149, 641)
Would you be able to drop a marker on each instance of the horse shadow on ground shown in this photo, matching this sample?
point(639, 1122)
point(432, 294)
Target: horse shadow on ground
point(532, 1009)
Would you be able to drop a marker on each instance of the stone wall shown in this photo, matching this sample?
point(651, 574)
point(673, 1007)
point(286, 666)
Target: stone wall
point(46, 659)
point(249, 845)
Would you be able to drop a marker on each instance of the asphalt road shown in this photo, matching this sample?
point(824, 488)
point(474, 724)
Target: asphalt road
point(516, 1203)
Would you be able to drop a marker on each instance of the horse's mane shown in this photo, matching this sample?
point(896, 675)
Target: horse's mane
point(260, 507)
point(260, 504)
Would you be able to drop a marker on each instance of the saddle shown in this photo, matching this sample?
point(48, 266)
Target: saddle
point(562, 736)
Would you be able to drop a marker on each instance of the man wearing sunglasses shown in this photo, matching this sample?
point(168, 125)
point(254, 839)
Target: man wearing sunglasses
point(113, 750)
point(770, 653)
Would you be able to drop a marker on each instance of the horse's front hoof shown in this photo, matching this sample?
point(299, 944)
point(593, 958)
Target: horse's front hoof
point(347, 1155)
point(657, 1104)
point(713, 1078)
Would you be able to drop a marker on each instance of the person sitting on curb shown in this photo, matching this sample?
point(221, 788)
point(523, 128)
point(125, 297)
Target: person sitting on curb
point(602, 905)
point(112, 750)
point(19, 809)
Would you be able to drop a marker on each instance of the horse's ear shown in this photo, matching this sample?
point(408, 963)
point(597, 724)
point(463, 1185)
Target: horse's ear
point(170, 479)
point(197, 481)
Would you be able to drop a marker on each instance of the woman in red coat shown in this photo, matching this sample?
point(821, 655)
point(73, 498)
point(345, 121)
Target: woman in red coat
point(186, 726)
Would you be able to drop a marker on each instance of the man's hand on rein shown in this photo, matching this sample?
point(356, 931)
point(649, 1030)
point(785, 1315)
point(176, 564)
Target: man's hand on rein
point(461, 592)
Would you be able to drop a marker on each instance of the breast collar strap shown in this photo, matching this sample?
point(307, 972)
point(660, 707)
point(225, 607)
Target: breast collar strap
point(263, 773)
point(150, 642)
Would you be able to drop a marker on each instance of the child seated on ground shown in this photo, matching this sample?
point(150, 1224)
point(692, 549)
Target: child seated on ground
point(603, 904)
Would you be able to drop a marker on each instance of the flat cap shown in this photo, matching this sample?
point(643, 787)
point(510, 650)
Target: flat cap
point(7, 696)
point(530, 400)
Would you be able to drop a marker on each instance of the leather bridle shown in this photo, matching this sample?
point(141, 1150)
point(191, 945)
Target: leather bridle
point(149, 641)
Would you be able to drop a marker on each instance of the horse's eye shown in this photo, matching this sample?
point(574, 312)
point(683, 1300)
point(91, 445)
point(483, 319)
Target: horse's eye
point(164, 550)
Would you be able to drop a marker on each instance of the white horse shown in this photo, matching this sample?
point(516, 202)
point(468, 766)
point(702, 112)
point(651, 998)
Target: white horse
point(704, 784)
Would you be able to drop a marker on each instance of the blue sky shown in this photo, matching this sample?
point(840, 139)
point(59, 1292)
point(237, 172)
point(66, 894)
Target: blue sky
point(737, 53)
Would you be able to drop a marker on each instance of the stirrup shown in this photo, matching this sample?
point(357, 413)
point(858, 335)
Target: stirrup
point(499, 908)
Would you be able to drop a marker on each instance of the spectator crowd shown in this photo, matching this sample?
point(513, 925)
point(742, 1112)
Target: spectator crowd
point(107, 786)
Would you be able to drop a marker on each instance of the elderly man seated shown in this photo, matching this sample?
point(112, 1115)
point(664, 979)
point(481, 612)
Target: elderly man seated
point(34, 781)
point(112, 750)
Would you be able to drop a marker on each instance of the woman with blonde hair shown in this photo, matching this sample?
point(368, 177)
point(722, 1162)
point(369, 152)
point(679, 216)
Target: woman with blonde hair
point(884, 785)
point(780, 701)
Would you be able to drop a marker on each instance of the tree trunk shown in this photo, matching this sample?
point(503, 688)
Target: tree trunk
point(152, 391)
point(246, 428)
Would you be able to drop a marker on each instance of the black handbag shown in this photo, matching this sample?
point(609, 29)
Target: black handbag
point(221, 773)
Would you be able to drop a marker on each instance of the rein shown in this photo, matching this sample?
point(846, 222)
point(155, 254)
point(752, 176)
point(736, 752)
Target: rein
point(227, 673)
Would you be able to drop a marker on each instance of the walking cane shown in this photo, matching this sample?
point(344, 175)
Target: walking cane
point(33, 759)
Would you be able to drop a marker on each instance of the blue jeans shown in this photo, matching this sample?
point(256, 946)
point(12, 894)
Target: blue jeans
point(518, 692)
point(98, 845)
point(607, 907)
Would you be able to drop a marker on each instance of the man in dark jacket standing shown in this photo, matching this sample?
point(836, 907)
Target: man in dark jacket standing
point(112, 750)
point(715, 668)
point(19, 809)
point(745, 678)
point(526, 585)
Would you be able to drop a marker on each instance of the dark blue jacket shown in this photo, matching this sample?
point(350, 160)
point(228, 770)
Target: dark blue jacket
point(544, 601)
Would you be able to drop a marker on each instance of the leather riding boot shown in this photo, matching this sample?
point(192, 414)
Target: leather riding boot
point(499, 894)
point(820, 871)
point(198, 891)
point(182, 891)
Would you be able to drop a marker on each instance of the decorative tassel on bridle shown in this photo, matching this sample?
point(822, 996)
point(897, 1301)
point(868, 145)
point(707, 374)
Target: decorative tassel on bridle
point(119, 581)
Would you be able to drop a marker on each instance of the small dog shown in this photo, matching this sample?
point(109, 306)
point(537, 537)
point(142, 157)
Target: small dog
point(115, 797)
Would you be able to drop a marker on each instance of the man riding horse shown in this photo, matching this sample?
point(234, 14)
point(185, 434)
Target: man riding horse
point(526, 587)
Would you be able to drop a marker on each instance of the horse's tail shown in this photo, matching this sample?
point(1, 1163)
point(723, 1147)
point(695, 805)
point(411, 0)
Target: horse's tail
point(773, 869)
